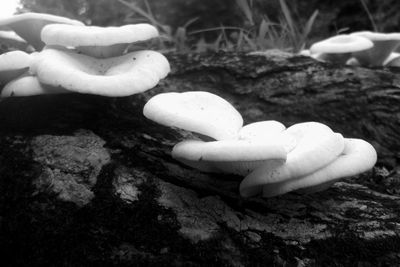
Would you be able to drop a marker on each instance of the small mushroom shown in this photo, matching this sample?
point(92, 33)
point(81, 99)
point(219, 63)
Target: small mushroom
point(316, 146)
point(97, 41)
point(339, 48)
point(384, 45)
point(27, 85)
point(13, 64)
point(116, 76)
point(358, 156)
point(29, 25)
point(305, 52)
point(200, 112)
point(231, 156)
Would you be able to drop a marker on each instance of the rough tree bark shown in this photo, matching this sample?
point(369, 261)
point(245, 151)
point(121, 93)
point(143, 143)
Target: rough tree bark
point(87, 180)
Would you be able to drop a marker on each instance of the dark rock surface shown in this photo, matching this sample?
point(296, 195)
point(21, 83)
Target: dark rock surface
point(87, 180)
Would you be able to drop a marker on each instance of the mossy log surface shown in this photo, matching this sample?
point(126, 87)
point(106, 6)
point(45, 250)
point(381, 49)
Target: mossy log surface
point(87, 180)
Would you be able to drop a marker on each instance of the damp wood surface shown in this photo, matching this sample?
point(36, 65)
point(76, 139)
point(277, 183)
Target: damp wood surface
point(87, 180)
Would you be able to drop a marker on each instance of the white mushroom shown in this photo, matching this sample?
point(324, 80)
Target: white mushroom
point(384, 45)
point(339, 48)
point(305, 52)
point(197, 111)
point(317, 145)
point(13, 64)
point(232, 156)
point(262, 130)
point(117, 76)
point(29, 26)
point(97, 41)
point(27, 85)
point(358, 156)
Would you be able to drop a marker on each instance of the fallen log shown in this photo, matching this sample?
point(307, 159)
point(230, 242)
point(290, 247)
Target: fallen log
point(88, 180)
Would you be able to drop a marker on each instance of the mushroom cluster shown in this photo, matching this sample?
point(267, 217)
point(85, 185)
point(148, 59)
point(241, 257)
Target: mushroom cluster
point(72, 57)
point(306, 157)
point(362, 48)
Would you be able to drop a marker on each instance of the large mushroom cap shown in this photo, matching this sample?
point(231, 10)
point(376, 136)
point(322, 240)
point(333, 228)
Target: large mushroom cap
point(384, 45)
point(317, 145)
point(118, 76)
point(29, 25)
point(358, 156)
point(341, 44)
point(231, 156)
point(339, 48)
point(97, 41)
point(199, 112)
point(13, 64)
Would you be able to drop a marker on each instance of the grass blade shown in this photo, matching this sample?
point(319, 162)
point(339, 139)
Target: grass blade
point(371, 19)
point(245, 8)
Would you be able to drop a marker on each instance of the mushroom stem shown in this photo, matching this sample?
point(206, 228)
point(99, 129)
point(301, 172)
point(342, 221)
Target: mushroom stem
point(332, 57)
point(103, 51)
point(376, 55)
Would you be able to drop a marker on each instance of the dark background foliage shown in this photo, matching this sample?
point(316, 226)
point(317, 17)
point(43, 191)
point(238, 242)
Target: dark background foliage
point(334, 15)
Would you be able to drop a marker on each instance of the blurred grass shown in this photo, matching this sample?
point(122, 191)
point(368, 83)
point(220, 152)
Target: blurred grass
point(240, 25)
point(286, 34)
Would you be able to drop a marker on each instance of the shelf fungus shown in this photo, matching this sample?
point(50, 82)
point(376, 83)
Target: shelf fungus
point(363, 48)
point(124, 75)
point(316, 146)
point(384, 45)
point(274, 160)
point(339, 48)
point(101, 42)
point(358, 156)
point(72, 57)
point(13, 64)
point(200, 112)
point(29, 26)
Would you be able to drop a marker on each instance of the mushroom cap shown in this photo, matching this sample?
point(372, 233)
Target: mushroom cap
point(75, 35)
point(358, 156)
point(117, 76)
point(29, 25)
point(377, 36)
point(196, 111)
point(28, 86)
point(340, 44)
point(317, 145)
point(231, 156)
point(261, 130)
point(13, 64)
point(97, 41)
point(231, 150)
point(353, 62)
point(384, 45)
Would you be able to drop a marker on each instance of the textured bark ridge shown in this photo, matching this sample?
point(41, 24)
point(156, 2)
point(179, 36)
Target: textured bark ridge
point(88, 180)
